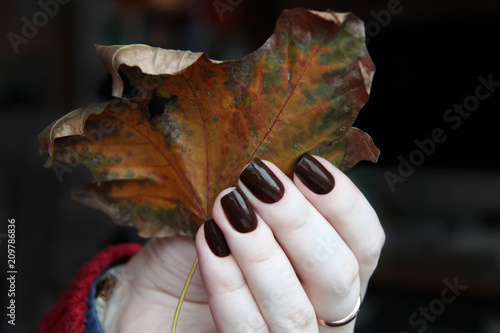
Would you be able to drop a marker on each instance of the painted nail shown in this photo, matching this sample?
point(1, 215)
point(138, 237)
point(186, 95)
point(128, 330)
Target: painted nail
point(262, 182)
point(215, 239)
point(314, 175)
point(238, 211)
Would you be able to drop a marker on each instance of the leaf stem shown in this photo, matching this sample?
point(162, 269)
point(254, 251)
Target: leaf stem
point(183, 294)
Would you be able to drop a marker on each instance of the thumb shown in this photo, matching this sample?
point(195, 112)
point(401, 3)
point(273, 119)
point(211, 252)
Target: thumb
point(163, 264)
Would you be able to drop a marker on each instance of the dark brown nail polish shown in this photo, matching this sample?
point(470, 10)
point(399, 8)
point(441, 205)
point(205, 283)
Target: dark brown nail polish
point(262, 182)
point(238, 211)
point(314, 175)
point(215, 239)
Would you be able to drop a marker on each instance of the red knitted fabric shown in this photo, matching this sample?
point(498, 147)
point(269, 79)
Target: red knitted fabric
point(68, 314)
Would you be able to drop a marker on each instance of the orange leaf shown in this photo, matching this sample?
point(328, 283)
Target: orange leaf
point(300, 92)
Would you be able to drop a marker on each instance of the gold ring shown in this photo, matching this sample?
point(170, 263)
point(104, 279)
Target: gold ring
point(350, 317)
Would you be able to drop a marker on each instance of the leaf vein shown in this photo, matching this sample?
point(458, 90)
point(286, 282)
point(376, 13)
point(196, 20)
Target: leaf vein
point(284, 105)
point(166, 159)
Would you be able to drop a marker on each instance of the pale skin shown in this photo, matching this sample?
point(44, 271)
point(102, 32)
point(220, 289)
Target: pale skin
point(310, 256)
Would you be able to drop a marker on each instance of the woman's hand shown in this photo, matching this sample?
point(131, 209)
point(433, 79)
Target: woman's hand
point(278, 255)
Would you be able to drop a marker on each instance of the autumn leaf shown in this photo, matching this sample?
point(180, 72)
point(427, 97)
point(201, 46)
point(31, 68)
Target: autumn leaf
point(161, 157)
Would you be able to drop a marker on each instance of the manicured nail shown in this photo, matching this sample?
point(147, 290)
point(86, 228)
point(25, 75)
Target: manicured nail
point(238, 211)
point(262, 182)
point(215, 239)
point(314, 175)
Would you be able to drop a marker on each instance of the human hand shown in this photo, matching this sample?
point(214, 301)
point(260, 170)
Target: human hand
point(303, 256)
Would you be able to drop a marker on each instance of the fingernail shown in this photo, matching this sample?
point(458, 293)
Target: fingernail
point(215, 239)
point(262, 182)
point(314, 175)
point(238, 211)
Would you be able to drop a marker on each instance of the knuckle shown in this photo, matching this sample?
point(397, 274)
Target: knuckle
point(292, 213)
point(300, 319)
point(350, 206)
point(253, 325)
point(265, 251)
point(231, 285)
point(298, 217)
point(371, 253)
point(347, 279)
point(262, 254)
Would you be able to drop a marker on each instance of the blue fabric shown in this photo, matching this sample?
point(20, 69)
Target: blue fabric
point(92, 324)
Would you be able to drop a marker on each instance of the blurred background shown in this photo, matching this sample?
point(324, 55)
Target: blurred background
point(441, 215)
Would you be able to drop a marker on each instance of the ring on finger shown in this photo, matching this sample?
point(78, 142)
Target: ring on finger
point(350, 317)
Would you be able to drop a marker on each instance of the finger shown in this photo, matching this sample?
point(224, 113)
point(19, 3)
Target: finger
point(325, 264)
point(345, 207)
point(270, 276)
point(231, 302)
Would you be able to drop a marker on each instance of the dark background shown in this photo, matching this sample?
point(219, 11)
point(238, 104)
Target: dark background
point(442, 222)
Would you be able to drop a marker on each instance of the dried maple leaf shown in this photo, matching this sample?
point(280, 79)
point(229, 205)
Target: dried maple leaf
point(300, 92)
